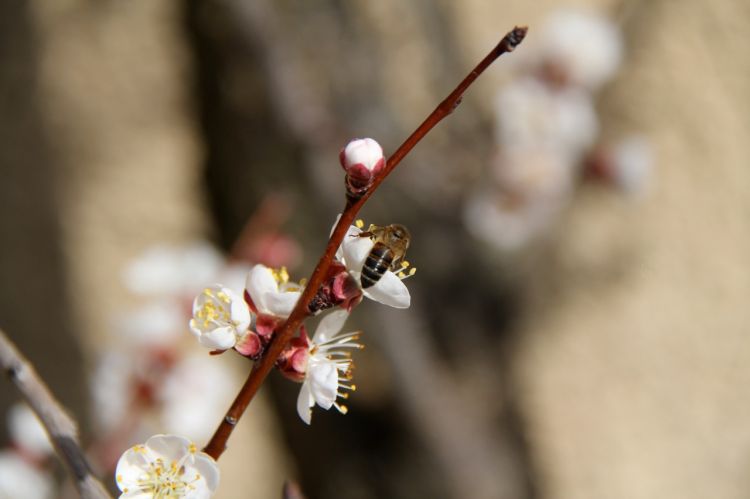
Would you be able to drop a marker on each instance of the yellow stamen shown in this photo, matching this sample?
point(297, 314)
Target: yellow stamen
point(359, 223)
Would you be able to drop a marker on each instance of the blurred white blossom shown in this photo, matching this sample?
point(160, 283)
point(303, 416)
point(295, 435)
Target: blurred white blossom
point(21, 480)
point(586, 46)
point(27, 431)
point(195, 395)
point(173, 269)
point(632, 165)
point(532, 115)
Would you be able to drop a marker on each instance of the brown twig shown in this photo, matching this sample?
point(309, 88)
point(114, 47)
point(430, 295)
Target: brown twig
point(61, 428)
point(217, 444)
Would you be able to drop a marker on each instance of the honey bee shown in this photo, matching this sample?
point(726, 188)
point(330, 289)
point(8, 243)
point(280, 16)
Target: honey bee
point(388, 252)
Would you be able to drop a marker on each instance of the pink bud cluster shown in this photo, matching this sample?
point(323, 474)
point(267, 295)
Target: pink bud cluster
point(363, 160)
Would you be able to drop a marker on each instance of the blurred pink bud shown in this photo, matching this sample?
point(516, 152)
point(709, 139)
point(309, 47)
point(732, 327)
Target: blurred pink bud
point(362, 159)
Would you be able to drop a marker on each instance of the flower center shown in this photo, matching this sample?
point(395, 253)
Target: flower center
point(215, 307)
point(165, 482)
point(281, 276)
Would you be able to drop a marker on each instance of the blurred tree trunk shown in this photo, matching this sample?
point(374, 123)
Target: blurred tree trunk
point(34, 305)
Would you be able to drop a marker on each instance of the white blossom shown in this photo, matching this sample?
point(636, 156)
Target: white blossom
point(166, 466)
point(19, 479)
point(587, 46)
point(173, 270)
point(328, 368)
point(157, 323)
point(220, 318)
point(27, 431)
point(271, 291)
point(353, 252)
point(534, 116)
point(532, 188)
point(632, 165)
point(194, 395)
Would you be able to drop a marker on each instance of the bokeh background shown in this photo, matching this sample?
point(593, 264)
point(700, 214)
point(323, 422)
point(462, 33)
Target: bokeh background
point(607, 356)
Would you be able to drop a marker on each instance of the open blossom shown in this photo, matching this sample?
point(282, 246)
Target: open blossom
point(324, 364)
point(362, 159)
point(220, 318)
point(271, 291)
point(353, 252)
point(166, 466)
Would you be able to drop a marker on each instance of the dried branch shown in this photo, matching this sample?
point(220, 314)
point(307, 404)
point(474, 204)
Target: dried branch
point(61, 429)
point(217, 444)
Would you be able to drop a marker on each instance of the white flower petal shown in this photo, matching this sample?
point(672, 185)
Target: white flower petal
point(131, 464)
point(389, 290)
point(324, 383)
point(208, 469)
point(20, 479)
point(259, 284)
point(355, 249)
point(281, 303)
point(240, 312)
point(222, 338)
point(329, 326)
point(171, 447)
point(305, 403)
point(27, 431)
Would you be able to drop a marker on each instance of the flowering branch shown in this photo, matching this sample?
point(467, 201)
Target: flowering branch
point(61, 428)
point(262, 367)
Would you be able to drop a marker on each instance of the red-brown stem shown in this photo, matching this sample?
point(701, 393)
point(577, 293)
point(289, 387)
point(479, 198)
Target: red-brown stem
point(262, 367)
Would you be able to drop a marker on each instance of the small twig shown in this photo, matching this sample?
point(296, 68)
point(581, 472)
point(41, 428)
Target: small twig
point(60, 427)
point(217, 444)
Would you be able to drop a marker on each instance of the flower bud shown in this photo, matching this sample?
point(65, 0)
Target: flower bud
point(362, 159)
point(292, 362)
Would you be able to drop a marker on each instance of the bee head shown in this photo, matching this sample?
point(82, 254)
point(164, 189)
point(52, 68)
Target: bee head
point(399, 234)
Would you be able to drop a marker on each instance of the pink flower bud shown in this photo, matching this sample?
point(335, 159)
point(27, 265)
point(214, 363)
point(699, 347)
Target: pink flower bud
point(362, 159)
point(292, 361)
point(250, 345)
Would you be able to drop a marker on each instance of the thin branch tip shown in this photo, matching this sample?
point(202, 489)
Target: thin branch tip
point(512, 39)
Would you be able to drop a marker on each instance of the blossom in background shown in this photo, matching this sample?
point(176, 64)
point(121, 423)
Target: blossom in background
point(23, 470)
point(533, 116)
point(19, 478)
point(389, 290)
point(580, 47)
point(324, 365)
point(523, 202)
point(193, 396)
point(547, 131)
point(166, 466)
point(632, 165)
point(173, 270)
point(27, 433)
point(220, 318)
point(363, 160)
